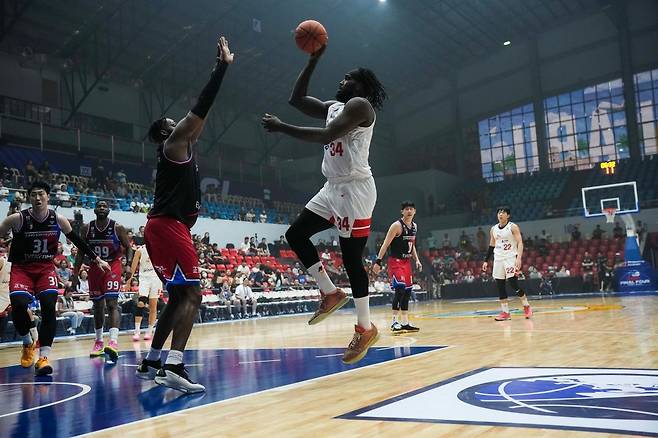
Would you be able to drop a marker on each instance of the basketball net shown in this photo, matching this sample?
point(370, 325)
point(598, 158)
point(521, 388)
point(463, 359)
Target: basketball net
point(609, 214)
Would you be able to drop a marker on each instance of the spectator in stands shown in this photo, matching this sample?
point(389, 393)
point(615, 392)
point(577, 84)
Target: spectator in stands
point(206, 238)
point(247, 298)
point(83, 282)
point(446, 241)
point(139, 237)
point(482, 240)
point(597, 234)
point(62, 195)
point(64, 274)
point(121, 176)
point(563, 272)
point(587, 264)
point(605, 277)
point(601, 260)
point(206, 282)
point(263, 217)
point(31, 171)
point(4, 192)
point(263, 250)
point(464, 241)
point(618, 231)
point(533, 273)
point(256, 277)
point(244, 248)
point(575, 234)
point(66, 309)
point(325, 256)
point(73, 252)
point(44, 170)
point(546, 236)
point(250, 216)
point(469, 278)
point(243, 268)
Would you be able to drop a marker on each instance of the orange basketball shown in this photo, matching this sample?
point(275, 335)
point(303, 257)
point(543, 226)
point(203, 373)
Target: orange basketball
point(310, 35)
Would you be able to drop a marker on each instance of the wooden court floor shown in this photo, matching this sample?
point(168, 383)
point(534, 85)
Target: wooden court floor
point(590, 332)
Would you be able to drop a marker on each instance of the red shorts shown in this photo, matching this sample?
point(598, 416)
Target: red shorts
point(105, 284)
point(32, 278)
point(169, 244)
point(399, 272)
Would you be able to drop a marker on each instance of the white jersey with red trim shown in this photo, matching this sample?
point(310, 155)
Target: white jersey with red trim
point(146, 270)
point(4, 283)
point(505, 242)
point(346, 158)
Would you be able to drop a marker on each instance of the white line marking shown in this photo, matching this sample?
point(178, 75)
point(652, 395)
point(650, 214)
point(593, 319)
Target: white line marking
point(85, 389)
point(259, 361)
point(330, 355)
point(278, 388)
point(187, 365)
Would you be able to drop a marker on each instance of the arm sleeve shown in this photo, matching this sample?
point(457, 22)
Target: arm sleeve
point(209, 92)
point(489, 253)
point(81, 245)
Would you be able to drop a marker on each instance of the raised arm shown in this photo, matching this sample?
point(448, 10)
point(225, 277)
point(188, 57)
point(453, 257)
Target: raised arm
point(300, 99)
point(188, 130)
point(393, 231)
point(357, 112)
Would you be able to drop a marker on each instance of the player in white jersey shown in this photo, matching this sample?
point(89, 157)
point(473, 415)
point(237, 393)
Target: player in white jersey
point(348, 197)
point(5, 269)
point(149, 291)
point(506, 245)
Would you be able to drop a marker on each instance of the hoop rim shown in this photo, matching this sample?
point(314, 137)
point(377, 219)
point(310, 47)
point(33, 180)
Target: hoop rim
point(610, 214)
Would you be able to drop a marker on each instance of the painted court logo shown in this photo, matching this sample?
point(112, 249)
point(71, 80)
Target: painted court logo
point(598, 400)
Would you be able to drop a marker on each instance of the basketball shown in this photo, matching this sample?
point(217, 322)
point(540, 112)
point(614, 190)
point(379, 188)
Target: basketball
point(310, 36)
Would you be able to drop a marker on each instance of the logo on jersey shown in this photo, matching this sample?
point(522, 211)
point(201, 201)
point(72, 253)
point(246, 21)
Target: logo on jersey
point(610, 400)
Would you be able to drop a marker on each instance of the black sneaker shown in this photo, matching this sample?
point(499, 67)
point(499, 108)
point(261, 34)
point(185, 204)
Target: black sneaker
point(175, 376)
point(148, 368)
point(408, 328)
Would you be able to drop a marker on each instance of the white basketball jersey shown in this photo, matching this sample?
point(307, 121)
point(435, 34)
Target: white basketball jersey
point(505, 242)
point(346, 158)
point(4, 284)
point(145, 266)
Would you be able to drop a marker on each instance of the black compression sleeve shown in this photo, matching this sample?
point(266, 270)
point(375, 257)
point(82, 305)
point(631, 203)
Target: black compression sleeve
point(209, 92)
point(489, 253)
point(81, 245)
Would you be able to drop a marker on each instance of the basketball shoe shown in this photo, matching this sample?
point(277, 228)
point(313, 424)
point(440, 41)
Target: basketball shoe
point(148, 369)
point(527, 311)
point(176, 377)
point(112, 350)
point(98, 349)
point(396, 328)
point(329, 303)
point(28, 354)
point(503, 316)
point(43, 367)
point(361, 341)
point(408, 328)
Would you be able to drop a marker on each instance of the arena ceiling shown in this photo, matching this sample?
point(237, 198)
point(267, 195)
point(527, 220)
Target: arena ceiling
point(167, 46)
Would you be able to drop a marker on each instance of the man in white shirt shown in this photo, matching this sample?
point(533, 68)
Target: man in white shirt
point(244, 248)
point(246, 296)
point(243, 268)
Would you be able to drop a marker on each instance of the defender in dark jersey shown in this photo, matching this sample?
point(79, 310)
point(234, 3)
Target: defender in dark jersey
point(106, 238)
point(401, 238)
point(36, 232)
point(167, 233)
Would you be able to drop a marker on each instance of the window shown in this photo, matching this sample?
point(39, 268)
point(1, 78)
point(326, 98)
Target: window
point(646, 101)
point(508, 143)
point(587, 126)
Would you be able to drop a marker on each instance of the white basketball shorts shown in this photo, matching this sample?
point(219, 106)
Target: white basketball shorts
point(150, 287)
point(504, 268)
point(347, 205)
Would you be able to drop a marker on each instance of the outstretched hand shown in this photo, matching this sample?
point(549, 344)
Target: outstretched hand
point(318, 53)
point(271, 123)
point(223, 52)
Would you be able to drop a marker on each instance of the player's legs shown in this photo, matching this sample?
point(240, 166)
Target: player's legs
point(527, 310)
point(404, 311)
point(154, 293)
point(22, 323)
point(395, 307)
point(47, 328)
point(112, 347)
point(139, 314)
point(98, 311)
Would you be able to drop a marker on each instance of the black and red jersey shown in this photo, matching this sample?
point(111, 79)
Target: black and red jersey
point(402, 245)
point(177, 189)
point(104, 242)
point(35, 241)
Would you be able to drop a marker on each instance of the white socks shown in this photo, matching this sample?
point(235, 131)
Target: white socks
point(505, 307)
point(114, 334)
point(320, 274)
point(99, 334)
point(138, 329)
point(363, 312)
point(35, 334)
point(153, 354)
point(174, 357)
point(27, 339)
point(524, 300)
point(44, 351)
point(404, 320)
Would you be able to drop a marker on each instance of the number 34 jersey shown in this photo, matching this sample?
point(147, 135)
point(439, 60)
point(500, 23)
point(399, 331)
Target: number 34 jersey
point(104, 242)
point(35, 241)
point(505, 243)
point(346, 158)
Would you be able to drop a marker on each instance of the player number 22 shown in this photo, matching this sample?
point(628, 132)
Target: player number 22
point(336, 148)
point(507, 246)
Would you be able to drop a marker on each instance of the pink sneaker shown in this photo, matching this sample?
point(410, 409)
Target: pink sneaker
point(503, 316)
point(136, 338)
point(98, 349)
point(147, 336)
point(112, 350)
point(527, 311)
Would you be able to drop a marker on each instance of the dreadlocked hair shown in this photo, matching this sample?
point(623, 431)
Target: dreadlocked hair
point(375, 92)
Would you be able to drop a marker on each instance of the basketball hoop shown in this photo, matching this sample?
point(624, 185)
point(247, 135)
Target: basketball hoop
point(609, 214)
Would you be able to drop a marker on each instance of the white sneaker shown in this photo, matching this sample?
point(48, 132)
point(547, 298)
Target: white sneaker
point(175, 376)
